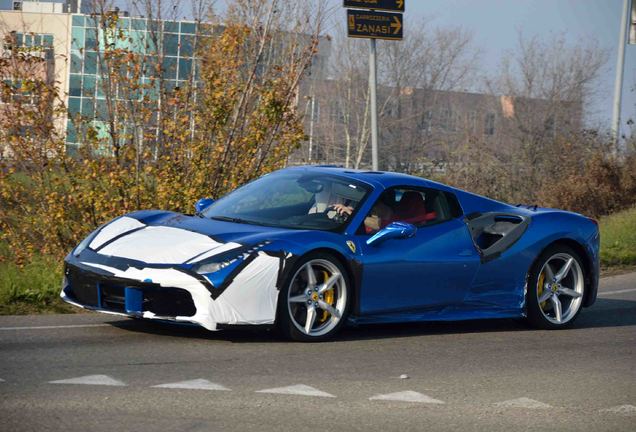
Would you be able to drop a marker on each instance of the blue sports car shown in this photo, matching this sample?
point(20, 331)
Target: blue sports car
point(312, 248)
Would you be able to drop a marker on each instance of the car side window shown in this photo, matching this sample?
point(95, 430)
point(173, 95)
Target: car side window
point(417, 206)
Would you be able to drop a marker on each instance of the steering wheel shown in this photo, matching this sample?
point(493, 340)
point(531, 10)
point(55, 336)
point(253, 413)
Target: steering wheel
point(337, 217)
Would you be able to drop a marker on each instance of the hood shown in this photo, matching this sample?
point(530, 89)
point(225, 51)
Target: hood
point(173, 238)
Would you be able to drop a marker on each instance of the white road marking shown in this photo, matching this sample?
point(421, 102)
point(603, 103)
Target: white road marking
point(609, 293)
point(407, 396)
point(621, 409)
point(298, 389)
point(55, 327)
point(91, 380)
point(523, 402)
point(1, 380)
point(195, 384)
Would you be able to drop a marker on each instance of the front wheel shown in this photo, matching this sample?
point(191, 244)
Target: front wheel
point(314, 301)
point(556, 286)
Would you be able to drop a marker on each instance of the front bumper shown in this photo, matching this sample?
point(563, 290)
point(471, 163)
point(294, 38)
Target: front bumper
point(168, 293)
point(107, 293)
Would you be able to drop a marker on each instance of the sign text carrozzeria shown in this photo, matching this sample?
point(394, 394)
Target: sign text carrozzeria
point(376, 25)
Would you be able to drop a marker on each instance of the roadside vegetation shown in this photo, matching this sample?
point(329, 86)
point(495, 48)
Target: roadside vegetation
point(618, 239)
point(33, 288)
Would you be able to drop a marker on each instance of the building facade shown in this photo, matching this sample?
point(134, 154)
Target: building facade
point(77, 43)
point(419, 127)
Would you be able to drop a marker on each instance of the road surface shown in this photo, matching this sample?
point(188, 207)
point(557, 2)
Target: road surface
point(95, 372)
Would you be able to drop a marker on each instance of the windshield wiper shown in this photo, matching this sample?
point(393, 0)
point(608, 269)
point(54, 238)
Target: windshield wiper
point(232, 219)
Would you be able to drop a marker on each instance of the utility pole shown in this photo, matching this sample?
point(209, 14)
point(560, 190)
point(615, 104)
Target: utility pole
point(311, 124)
point(374, 106)
point(372, 25)
point(620, 66)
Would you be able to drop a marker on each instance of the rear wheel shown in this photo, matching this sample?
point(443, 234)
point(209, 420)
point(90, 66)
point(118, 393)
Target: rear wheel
point(556, 286)
point(314, 302)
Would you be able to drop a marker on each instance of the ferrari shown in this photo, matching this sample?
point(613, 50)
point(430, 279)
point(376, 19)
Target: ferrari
point(311, 249)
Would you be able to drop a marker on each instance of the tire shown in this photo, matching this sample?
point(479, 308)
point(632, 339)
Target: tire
point(557, 276)
point(299, 295)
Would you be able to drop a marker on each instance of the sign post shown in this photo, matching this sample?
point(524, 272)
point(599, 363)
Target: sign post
point(383, 5)
point(374, 106)
point(373, 25)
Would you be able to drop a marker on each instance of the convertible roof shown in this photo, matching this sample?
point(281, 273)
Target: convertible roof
point(382, 179)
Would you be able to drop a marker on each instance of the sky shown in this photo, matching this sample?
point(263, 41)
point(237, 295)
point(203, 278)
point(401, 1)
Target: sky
point(495, 25)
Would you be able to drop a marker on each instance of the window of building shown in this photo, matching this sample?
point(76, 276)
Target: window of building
point(170, 44)
point(186, 48)
point(74, 105)
point(550, 126)
point(78, 20)
point(101, 110)
point(18, 91)
point(138, 24)
point(88, 109)
point(77, 41)
point(471, 120)
point(185, 68)
point(90, 63)
point(447, 120)
point(426, 121)
point(337, 115)
point(17, 5)
point(489, 124)
point(171, 26)
point(75, 85)
point(88, 86)
point(169, 67)
point(76, 62)
point(37, 44)
point(316, 110)
point(188, 27)
point(90, 43)
point(71, 133)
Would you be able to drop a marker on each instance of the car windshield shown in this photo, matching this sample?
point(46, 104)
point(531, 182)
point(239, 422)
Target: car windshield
point(291, 200)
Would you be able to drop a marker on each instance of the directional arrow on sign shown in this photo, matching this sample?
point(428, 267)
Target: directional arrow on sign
point(396, 24)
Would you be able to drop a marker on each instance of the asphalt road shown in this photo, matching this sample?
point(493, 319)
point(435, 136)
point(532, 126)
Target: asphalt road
point(480, 375)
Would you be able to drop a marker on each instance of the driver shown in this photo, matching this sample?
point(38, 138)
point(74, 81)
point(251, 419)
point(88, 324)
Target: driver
point(379, 216)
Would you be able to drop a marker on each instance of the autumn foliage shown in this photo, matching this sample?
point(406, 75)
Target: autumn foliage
point(235, 122)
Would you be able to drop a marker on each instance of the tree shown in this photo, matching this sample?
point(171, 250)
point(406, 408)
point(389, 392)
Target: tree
point(152, 145)
point(543, 90)
point(428, 59)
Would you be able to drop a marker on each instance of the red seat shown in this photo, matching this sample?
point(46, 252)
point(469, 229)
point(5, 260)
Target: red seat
point(412, 209)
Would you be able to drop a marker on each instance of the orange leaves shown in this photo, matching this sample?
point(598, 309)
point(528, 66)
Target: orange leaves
point(152, 146)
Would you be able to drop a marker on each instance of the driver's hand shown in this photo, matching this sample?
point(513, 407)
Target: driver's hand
point(342, 209)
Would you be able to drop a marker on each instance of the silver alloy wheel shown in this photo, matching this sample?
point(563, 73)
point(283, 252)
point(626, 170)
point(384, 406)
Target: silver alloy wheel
point(317, 288)
point(560, 288)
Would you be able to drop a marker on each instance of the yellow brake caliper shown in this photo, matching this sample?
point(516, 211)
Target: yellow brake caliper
point(540, 284)
point(328, 298)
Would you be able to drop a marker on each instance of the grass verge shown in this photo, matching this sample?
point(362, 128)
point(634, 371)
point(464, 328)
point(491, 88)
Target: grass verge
point(618, 239)
point(34, 288)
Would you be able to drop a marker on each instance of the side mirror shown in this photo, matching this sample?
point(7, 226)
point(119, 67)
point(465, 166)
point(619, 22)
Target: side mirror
point(202, 204)
point(394, 230)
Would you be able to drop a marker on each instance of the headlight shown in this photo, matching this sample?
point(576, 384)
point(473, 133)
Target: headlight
point(89, 238)
point(208, 267)
point(227, 259)
point(84, 244)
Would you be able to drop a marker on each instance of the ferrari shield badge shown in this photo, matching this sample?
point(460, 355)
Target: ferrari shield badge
point(351, 245)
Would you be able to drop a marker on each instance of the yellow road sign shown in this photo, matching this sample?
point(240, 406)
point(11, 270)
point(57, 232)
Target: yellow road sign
point(374, 25)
